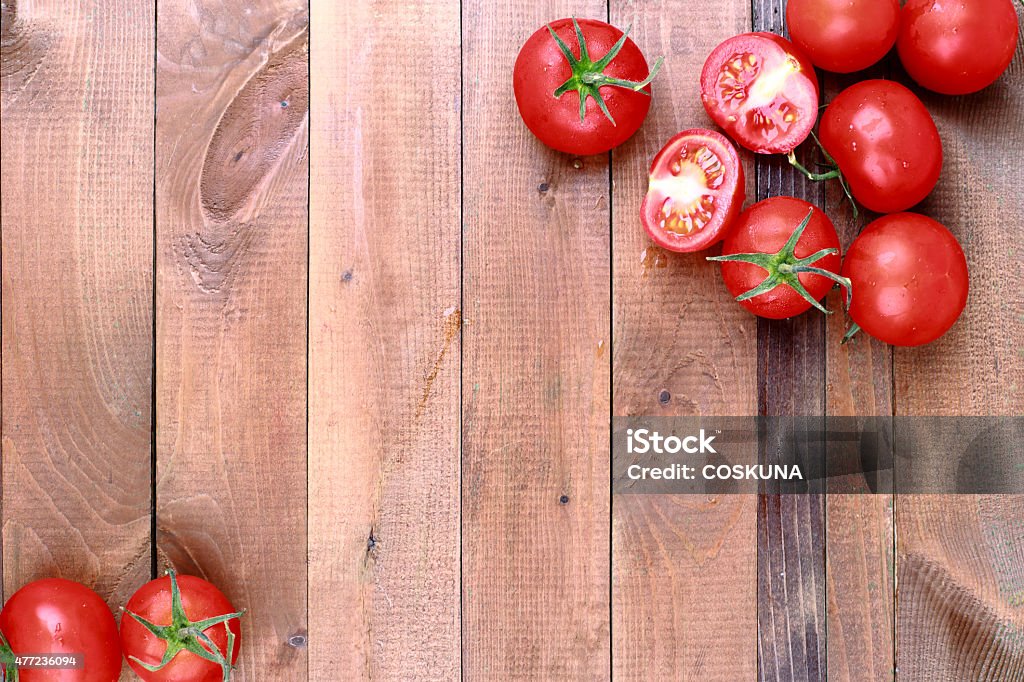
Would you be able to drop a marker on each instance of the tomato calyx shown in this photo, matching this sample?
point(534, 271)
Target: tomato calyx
point(784, 268)
point(588, 77)
point(8, 660)
point(184, 635)
point(830, 174)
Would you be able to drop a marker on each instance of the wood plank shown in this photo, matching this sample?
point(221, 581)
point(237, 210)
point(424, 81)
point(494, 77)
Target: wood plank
point(791, 381)
point(385, 341)
point(960, 567)
point(535, 375)
point(77, 112)
point(231, 187)
point(860, 527)
point(684, 600)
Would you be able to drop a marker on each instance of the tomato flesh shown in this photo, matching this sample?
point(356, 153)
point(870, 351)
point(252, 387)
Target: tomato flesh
point(764, 228)
point(762, 91)
point(57, 616)
point(957, 48)
point(910, 280)
point(843, 36)
point(695, 191)
point(885, 143)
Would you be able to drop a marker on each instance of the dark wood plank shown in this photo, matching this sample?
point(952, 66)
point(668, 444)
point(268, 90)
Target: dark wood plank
point(681, 347)
point(535, 375)
point(860, 528)
point(791, 528)
point(385, 345)
point(960, 567)
point(76, 128)
point(231, 188)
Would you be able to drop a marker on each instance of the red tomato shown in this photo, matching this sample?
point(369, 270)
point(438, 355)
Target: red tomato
point(57, 616)
point(957, 47)
point(695, 191)
point(772, 258)
point(762, 91)
point(155, 602)
point(843, 35)
point(909, 279)
point(585, 95)
point(885, 143)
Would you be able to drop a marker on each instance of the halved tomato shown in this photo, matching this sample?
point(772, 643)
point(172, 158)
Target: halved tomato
point(762, 91)
point(696, 191)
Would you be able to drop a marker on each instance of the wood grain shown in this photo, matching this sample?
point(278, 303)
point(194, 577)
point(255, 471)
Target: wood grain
point(385, 348)
point(231, 222)
point(683, 566)
point(860, 528)
point(535, 375)
point(77, 158)
point(960, 567)
point(791, 528)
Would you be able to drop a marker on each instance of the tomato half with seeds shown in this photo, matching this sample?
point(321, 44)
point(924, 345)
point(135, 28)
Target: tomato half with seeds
point(957, 47)
point(843, 35)
point(885, 144)
point(57, 616)
point(695, 191)
point(909, 279)
point(582, 86)
point(781, 258)
point(762, 91)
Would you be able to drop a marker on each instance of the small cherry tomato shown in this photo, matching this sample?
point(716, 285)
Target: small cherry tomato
point(762, 91)
point(57, 616)
point(843, 35)
point(781, 258)
point(909, 278)
point(582, 87)
point(695, 191)
point(957, 47)
point(158, 631)
point(885, 143)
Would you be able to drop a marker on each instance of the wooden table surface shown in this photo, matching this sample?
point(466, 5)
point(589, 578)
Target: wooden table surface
point(292, 300)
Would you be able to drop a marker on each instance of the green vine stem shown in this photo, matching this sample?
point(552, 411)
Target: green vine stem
point(784, 268)
point(834, 172)
point(854, 328)
point(8, 660)
point(184, 635)
point(588, 77)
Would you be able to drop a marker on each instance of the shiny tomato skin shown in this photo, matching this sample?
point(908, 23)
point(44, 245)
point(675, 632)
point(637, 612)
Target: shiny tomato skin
point(719, 174)
point(910, 280)
point(764, 228)
point(773, 118)
point(152, 601)
point(885, 143)
point(57, 616)
point(843, 36)
point(541, 67)
point(957, 47)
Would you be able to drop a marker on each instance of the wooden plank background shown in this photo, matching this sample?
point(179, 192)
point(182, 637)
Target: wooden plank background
point(292, 300)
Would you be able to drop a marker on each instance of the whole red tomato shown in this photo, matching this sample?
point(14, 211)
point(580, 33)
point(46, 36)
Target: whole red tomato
point(957, 47)
point(57, 616)
point(885, 143)
point(762, 91)
point(909, 278)
point(695, 191)
point(781, 257)
point(582, 87)
point(843, 35)
point(160, 611)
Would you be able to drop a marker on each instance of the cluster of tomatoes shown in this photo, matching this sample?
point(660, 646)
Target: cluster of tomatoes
point(905, 275)
point(173, 629)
